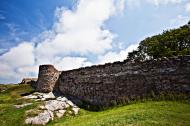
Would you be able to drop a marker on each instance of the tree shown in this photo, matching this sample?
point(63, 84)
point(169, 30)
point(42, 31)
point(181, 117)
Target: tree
point(170, 43)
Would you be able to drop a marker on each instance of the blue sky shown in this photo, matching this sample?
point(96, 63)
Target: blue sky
point(77, 33)
point(27, 18)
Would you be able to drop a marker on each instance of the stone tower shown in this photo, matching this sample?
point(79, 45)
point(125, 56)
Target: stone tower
point(47, 78)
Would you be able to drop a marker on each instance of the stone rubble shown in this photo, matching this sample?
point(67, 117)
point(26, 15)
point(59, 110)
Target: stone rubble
point(51, 107)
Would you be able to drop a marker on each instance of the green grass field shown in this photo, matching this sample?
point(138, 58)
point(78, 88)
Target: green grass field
point(163, 113)
point(147, 113)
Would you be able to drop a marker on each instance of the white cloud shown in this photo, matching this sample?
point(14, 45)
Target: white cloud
point(164, 2)
point(131, 4)
point(78, 32)
point(16, 60)
point(179, 21)
point(68, 63)
point(114, 56)
point(19, 56)
point(187, 7)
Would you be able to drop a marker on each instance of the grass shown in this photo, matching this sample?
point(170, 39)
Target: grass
point(147, 113)
point(9, 115)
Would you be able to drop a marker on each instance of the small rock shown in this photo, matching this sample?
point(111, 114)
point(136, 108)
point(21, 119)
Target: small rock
point(30, 97)
point(62, 99)
point(43, 99)
point(70, 112)
point(60, 113)
point(42, 107)
point(48, 95)
point(67, 105)
point(23, 105)
point(76, 110)
point(40, 96)
point(70, 103)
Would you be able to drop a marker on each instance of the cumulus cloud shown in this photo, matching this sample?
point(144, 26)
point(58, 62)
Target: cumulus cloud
point(19, 56)
point(81, 31)
point(15, 60)
point(75, 35)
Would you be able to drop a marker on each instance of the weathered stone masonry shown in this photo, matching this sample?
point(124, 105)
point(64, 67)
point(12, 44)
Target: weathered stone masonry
point(106, 85)
point(47, 78)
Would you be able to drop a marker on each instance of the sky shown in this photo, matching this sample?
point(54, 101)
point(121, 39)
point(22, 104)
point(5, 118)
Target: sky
point(76, 33)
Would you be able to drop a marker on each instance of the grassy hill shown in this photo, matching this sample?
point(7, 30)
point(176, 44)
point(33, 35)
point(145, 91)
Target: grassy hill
point(144, 113)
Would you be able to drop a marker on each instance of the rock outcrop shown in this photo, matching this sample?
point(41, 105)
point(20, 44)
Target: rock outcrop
point(50, 108)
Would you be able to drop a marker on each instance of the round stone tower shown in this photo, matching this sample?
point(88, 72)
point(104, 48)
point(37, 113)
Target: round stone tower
point(47, 78)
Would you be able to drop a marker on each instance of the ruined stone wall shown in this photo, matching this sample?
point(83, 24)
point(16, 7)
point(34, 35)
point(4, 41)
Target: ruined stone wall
point(110, 84)
point(28, 80)
point(119, 82)
point(47, 78)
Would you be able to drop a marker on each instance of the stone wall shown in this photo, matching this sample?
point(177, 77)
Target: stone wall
point(110, 84)
point(119, 82)
point(47, 78)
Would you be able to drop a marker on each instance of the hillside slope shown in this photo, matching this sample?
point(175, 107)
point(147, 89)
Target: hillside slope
point(149, 113)
point(146, 113)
